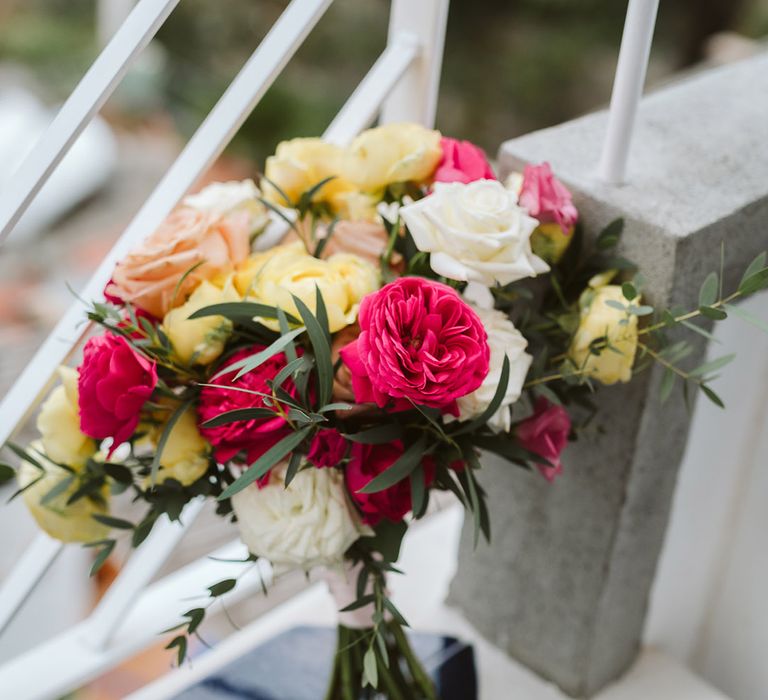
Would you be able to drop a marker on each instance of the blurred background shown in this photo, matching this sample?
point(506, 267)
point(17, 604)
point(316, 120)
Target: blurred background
point(510, 66)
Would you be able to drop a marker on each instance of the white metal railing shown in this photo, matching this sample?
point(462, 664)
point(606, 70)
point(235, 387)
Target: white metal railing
point(412, 58)
point(402, 85)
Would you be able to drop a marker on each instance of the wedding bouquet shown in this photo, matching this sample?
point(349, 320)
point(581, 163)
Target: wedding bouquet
point(321, 353)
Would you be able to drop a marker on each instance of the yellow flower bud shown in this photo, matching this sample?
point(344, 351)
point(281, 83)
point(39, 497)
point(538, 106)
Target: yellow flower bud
point(550, 243)
point(616, 354)
point(68, 523)
point(59, 424)
point(201, 340)
point(185, 453)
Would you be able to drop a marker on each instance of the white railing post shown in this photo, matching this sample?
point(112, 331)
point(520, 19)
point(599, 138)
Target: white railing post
point(415, 96)
point(84, 102)
point(627, 87)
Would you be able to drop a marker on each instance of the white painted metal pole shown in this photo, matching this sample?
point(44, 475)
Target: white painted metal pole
point(365, 102)
point(136, 575)
point(415, 97)
point(84, 102)
point(203, 148)
point(17, 587)
point(627, 87)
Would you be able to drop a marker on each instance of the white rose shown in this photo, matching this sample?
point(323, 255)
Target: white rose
point(309, 523)
point(503, 338)
point(220, 198)
point(474, 232)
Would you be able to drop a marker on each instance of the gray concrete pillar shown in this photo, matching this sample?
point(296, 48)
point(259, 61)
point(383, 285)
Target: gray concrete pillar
point(564, 585)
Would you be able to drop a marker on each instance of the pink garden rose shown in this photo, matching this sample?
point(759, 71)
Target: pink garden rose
point(546, 434)
point(366, 463)
point(113, 384)
point(419, 341)
point(462, 161)
point(547, 199)
point(255, 436)
point(327, 448)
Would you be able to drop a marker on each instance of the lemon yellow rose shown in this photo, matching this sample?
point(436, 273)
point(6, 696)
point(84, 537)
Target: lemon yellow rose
point(201, 340)
point(300, 164)
point(66, 522)
point(360, 277)
point(248, 271)
point(185, 453)
point(392, 153)
point(599, 321)
point(59, 424)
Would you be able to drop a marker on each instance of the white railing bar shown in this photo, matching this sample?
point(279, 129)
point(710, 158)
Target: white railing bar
point(84, 102)
point(134, 577)
point(23, 579)
point(365, 102)
point(203, 148)
point(69, 663)
point(627, 88)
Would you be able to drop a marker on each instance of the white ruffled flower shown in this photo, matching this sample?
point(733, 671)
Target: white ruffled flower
point(503, 338)
point(307, 524)
point(474, 232)
point(221, 198)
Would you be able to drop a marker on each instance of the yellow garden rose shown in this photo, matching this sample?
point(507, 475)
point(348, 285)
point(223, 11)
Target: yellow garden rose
point(201, 340)
point(59, 424)
point(300, 164)
point(185, 453)
point(276, 276)
point(393, 153)
point(599, 320)
point(68, 523)
point(360, 276)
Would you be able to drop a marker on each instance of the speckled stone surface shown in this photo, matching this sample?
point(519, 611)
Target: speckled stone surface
point(564, 586)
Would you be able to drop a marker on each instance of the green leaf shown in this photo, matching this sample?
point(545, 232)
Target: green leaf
point(7, 472)
point(118, 472)
point(712, 396)
point(299, 364)
point(755, 282)
point(321, 313)
point(109, 521)
point(240, 310)
point(379, 435)
point(222, 587)
point(248, 364)
point(713, 313)
point(493, 406)
point(754, 267)
point(618, 305)
point(359, 603)
point(306, 197)
point(370, 669)
point(748, 317)
point(708, 291)
point(102, 556)
point(667, 384)
point(238, 414)
point(697, 329)
point(264, 463)
point(629, 291)
point(164, 439)
point(610, 235)
point(180, 644)
point(400, 469)
point(57, 490)
point(322, 351)
point(196, 616)
point(293, 468)
point(143, 529)
point(336, 406)
point(418, 491)
point(396, 614)
point(279, 212)
point(388, 539)
point(713, 366)
point(320, 247)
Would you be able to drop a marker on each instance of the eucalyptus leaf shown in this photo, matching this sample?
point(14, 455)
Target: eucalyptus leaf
point(399, 470)
point(709, 289)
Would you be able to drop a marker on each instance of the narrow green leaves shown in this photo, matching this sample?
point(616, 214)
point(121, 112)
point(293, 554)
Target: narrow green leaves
point(240, 311)
point(268, 460)
point(7, 472)
point(164, 439)
point(610, 235)
point(238, 414)
point(222, 587)
point(248, 364)
point(400, 469)
point(321, 346)
point(709, 290)
point(493, 406)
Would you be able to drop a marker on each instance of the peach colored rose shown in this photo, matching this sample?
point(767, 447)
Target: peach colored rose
point(148, 276)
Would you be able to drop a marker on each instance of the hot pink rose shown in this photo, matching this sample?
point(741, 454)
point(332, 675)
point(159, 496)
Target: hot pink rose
point(419, 341)
point(327, 448)
point(255, 436)
point(462, 161)
point(367, 462)
point(113, 384)
point(545, 198)
point(546, 434)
